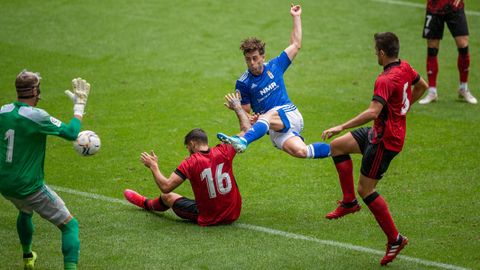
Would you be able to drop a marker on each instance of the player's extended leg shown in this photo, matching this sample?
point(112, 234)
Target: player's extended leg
point(379, 208)
point(25, 231)
point(141, 201)
point(295, 147)
point(258, 130)
point(341, 148)
point(463, 64)
point(183, 207)
point(70, 243)
point(432, 70)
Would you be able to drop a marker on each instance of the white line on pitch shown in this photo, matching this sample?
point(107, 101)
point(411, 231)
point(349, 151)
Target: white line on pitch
point(417, 5)
point(278, 232)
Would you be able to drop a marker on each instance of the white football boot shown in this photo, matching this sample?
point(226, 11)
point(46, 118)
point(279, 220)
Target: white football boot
point(430, 97)
point(465, 94)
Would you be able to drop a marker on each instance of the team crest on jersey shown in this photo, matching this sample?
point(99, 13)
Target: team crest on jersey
point(270, 74)
point(55, 121)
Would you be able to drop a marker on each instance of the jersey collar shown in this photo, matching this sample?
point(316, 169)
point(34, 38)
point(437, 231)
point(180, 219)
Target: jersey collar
point(20, 104)
point(205, 151)
point(393, 64)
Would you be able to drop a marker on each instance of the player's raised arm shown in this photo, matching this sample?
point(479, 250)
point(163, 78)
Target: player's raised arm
point(166, 185)
point(296, 36)
point(233, 103)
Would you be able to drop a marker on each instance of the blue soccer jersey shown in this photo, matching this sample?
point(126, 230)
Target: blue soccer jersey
point(267, 90)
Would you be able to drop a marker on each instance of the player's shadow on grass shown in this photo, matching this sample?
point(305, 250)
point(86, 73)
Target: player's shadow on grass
point(167, 215)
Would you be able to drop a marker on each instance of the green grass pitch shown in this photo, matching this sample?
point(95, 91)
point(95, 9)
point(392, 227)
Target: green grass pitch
point(161, 68)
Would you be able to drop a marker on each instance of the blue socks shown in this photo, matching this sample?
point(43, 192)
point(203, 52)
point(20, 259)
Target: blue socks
point(318, 150)
point(258, 130)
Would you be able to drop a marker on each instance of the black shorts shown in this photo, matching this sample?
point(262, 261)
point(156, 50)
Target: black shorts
point(186, 209)
point(435, 23)
point(376, 158)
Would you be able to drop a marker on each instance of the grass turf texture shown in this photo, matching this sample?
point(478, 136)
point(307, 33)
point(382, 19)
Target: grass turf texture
point(159, 69)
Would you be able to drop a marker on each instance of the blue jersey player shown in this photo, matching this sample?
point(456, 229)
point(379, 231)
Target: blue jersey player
point(263, 91)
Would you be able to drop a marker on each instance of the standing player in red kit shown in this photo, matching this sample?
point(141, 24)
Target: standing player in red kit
point(452, 13)
point(392, 98)
point(210, 171)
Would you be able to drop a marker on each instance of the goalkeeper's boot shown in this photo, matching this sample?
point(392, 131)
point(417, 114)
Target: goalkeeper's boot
point(344, 209)
point(135, 198)
point(393, 249)
point(465, 94)
point(239, 143)
point(29, 263)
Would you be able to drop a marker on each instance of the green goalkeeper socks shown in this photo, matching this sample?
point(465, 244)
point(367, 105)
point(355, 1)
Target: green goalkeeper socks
point(70, 266)
point(25, 231)
point(70, 243)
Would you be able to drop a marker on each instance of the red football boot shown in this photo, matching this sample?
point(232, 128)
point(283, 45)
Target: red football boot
point(343, 210)
point(134, 198)
point(394, 249)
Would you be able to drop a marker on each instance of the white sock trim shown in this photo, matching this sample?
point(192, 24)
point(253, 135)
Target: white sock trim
point(310, 151)
point(264, 121)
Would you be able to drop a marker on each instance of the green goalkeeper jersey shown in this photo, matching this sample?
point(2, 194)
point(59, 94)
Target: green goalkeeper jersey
point(23, 136)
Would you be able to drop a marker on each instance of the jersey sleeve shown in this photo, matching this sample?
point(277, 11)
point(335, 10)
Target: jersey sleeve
point(381, 93)
point(242, 89)
point(282, 61)
point(183, 170)
point(414, 75)
point(53, 126)
point(50, 125)
point(70, 131)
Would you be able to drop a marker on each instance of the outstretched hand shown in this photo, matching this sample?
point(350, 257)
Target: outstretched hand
point(327, 134)
point(79, 96)
point(295, 10)
point(81, 89)
point(149, 160)
point(233, 101)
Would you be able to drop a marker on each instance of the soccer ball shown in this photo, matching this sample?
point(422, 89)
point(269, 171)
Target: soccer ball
point(87, 143)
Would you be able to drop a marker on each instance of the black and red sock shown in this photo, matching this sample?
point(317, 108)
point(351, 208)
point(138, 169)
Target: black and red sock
point(155, 204)
point(463, 64)
point(344, 167)
point(432, 66)
point(379, 208)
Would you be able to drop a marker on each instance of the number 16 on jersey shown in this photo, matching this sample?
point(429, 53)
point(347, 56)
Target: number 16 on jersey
point(222, 183)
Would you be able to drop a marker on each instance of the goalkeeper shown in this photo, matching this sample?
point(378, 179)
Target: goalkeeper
point(22, 153)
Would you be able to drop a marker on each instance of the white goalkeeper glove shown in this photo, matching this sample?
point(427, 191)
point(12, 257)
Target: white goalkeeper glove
point(81, 89)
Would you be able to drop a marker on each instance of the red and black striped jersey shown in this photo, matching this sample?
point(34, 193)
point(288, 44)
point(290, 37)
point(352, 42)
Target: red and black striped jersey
point(213, 183)
point(444, 6)
point(393, 90)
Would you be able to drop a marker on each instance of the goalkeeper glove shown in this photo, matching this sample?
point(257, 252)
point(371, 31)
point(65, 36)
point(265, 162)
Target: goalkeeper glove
point(81, 89)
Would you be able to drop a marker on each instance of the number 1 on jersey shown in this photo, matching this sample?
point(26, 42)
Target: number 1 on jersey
point(223, 187)
point(10, 137)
